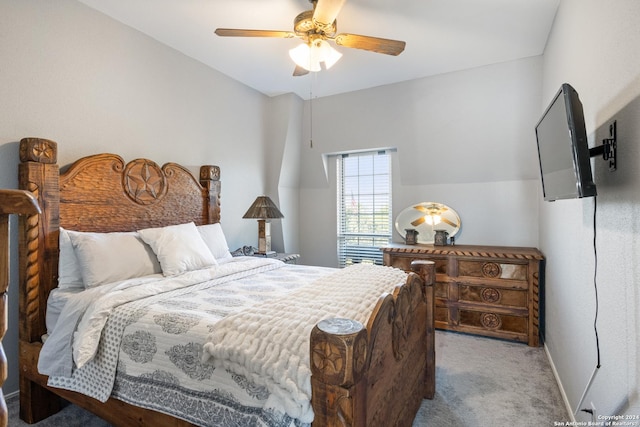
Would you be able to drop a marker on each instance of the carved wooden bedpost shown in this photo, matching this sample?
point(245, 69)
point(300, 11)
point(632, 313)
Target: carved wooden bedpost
point(427, 271)
point(378, 375)
point(210, 180)
point(38, 173)
point(338, 358)
point(11, 202)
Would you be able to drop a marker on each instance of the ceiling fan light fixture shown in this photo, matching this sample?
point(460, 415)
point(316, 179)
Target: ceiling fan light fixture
point(301, 55)
point(315, 27)
point(433, 219)
point(309, 56)
point(327, 54)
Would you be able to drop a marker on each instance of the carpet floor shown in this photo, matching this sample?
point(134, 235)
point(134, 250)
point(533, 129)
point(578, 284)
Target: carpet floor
point(479, 382)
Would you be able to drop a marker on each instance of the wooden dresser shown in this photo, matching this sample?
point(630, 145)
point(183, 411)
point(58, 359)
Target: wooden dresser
point(483, 290)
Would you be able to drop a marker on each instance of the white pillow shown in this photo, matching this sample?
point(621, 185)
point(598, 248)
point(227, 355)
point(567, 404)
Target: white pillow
point(111, 257)
point(69, 274)
point(213, 237)
point(179, 248)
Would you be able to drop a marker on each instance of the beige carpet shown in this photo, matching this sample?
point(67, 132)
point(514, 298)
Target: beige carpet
point(480, 382)
point(488, 382)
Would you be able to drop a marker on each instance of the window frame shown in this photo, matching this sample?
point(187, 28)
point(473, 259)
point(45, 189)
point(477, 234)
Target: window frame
point(363, 246)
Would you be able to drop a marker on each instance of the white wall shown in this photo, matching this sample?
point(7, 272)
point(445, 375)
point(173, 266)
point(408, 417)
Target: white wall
point(465, 139)
point(594, 47)
point(73, 75)
point(282, 168)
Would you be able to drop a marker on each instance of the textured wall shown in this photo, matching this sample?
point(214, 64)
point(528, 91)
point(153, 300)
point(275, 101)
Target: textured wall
point(465, 139)
point(594, 47)
point(71, 74)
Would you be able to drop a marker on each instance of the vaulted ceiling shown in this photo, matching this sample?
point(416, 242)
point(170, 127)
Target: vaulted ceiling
point(441, 36)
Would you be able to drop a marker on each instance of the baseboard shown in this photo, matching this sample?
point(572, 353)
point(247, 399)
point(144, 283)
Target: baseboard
point(562, 392)
point(11, 395)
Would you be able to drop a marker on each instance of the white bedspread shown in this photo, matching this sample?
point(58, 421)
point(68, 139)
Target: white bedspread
point(85, 314)
point(163, 324)
point(150, 349)
point(269, 344)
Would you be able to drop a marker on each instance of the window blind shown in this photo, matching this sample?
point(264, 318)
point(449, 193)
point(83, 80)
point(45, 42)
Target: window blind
point(364, 206)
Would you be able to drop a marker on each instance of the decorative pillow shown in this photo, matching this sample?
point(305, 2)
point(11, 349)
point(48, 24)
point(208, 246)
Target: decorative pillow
point(110, 257)
point(179, 248)
point(69, 274)
point(213, 237)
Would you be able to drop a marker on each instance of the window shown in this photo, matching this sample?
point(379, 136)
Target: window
point(364, 206)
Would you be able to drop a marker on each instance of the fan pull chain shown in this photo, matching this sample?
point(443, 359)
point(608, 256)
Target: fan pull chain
point(310, 119)
point(311, 83)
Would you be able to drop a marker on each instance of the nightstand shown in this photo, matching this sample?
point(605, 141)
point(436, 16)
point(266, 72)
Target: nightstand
point(284, 257)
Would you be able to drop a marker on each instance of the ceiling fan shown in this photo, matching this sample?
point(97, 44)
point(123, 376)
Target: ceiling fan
point(433, 214)
point(315, 27)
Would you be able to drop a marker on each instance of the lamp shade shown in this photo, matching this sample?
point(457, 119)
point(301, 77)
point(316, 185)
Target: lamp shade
point(301, 55)
point(263, 208)
point(327, 54)
point(309, 56)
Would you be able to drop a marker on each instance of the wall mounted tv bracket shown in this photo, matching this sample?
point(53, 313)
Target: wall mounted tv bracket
point(608, 149)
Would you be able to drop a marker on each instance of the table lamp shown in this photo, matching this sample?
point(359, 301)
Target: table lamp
point(264, 210)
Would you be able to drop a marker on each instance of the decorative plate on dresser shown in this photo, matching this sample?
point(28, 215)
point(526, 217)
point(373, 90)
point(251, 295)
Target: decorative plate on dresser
point(483, 290)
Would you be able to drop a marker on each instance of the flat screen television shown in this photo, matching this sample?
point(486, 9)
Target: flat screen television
point(563, 151)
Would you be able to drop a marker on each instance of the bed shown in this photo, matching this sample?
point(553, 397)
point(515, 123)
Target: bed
point(372, 372)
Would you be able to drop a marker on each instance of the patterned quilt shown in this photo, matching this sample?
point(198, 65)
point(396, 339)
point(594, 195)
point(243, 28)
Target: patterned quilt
point(151, 349)
point(273, 350)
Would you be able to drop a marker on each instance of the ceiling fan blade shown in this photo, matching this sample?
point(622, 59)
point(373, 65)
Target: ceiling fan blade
point(234, 32)
point(418, 221)
point(326, 11)
point(374, 44)
point(299, 71)
point(446, 221)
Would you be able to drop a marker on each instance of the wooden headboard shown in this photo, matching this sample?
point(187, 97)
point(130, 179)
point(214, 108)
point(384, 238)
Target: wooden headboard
point(99, 193)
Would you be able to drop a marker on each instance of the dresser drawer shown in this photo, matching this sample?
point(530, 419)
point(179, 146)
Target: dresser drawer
point(492, 295)
point(442, 315)
point(492, 321)
point(493, 269)
point(404, 263)
point(441, 290)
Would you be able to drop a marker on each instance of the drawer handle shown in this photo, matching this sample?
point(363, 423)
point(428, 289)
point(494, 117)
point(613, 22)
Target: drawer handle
point(490, 320)
point(491, 269)
point(491, 295)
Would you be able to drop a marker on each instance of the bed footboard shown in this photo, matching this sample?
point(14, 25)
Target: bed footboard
point(378, 375)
